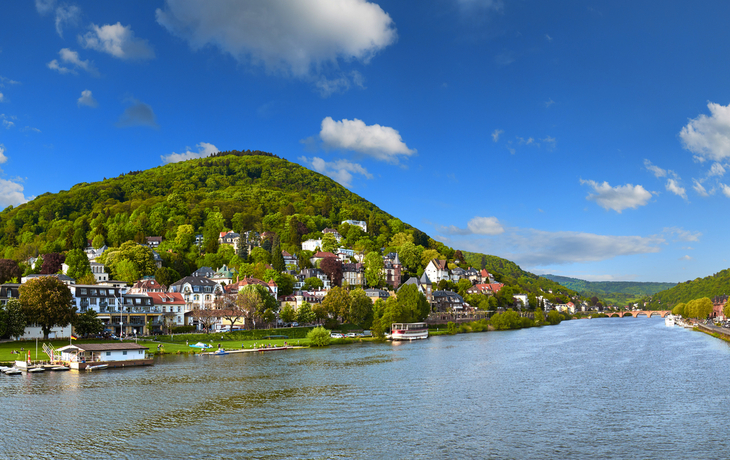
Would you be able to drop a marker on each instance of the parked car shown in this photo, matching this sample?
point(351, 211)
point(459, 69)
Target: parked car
point(336, 335)
point(351, 335)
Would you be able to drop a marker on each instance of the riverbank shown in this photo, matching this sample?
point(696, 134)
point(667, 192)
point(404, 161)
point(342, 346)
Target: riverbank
point(714, 331)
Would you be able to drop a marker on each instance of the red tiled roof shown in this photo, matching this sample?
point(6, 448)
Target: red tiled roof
point(171, 298)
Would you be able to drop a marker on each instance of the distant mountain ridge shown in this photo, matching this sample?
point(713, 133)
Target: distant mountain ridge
point(710, 286)
point(612, 292)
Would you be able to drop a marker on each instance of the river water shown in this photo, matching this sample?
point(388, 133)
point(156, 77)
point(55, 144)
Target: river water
point(588, 389)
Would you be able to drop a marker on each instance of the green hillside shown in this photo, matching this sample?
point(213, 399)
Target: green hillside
point(612, 292)
point(238, 191)
point(709, 286)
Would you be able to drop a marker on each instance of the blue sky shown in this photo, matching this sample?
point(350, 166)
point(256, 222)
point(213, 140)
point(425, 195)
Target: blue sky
point(580, 138)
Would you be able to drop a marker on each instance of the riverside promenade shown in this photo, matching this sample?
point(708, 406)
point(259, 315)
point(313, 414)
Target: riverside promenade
point(724, 332)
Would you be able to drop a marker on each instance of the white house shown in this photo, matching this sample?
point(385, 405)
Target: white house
point(360, 223)
point(311, 245)
point(437, 270)
point(119, 354)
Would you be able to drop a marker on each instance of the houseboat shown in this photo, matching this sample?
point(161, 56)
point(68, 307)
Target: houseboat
point(122, 354)
point(408, 331)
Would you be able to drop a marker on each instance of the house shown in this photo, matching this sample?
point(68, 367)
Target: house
point(171, 307)
point(320, 256)
point(99, 271)
point(457, 274)
point(521, 299)
point(444, 301)
point(271, 286)
point(199, 240)
point(423, 284)
point(392, 270)
point(437, 270)
point(92, 253)
point(376, 294)
point(337, 235)
point(121, 354)
point(157, 258)
point(718, 306)
point(153, 241)
point(484, 289)
point(359, 223)
point(472, 274)
point(224, 275)
point(353, 274)
point(290, 260)
point(9, 291)
point(67, 280)
point(486, 277)
point(313, 273)
point(147, 285)
point(204, 272)
point(230, 238)
point(311, 245)
point(197, 291)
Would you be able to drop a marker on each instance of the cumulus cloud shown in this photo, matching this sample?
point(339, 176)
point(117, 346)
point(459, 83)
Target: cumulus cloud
point(340, 170)
point(725, 190)
point(708, 137)
point(44, 6)
point(4, 80)
point(674, 187)
point(656, 170)
point(3, 158)
point(204, 149)
point(685, 257)
point(617, 198)
point(138, 114)
point(680, 234)
point(476, 226)
point(716, 170)
point(699, 188)
point(66, 15)
point(376, 141)
point(86, 99)
point(495, 134)
point(11, 193)
point(550, 143)
point(70, 62)
point(303, 39)
point(536, 248)
point(7, 123)
point(117, 40)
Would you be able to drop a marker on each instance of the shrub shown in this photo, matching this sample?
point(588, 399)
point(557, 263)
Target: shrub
point(319, 337)
point(452, 328)
point(183, 329)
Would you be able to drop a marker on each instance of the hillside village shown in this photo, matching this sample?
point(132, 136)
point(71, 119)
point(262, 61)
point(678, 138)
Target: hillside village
point(290, 288)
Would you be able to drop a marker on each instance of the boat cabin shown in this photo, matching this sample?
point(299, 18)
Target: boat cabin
point(120, 354)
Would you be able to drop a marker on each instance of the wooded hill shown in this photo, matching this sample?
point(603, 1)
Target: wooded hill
point(235, 190)
point(709, 286)
point(617, 293)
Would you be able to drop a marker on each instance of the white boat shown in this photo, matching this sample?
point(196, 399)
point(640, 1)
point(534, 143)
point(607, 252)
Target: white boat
point(97, 367)
point(34, 370)
point(669, 320)
point(12, 371)
point(408, 331)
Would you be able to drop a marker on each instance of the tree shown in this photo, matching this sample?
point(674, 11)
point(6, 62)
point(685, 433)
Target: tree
point(319, 337)
point(166, 276)
point(285, 282)
point(254, 300)
point(204, 316)
point(12, 319)
point(9, 270)
point(361, 308)
point(679, 309)
point(554, 317)
point(374, 269)
point(458, 256)
point(698, 308)
point(269, 316)
point(414, 305)
point(287, 314)
point(52, 263)
point(130, 259)
point(305, 315)
point(88, 279)
point(313, 283)
point(277, 259)
point(259, 254)
point(329, 242)
point(78, 264)
point(725, 310)
point(337, 302)
point(227, 308)
point(46, 302)
point(410, 255)
point(87, 323)
point(332, 267)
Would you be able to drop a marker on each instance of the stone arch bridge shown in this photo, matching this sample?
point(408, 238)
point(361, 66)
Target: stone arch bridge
point(636, 313)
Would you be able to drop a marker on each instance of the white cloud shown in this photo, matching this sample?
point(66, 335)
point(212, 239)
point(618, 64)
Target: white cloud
point(45, 6)
point(306, 38)
point(476, 226)
point(30, 128)
point(699, 188)
point(658, 172)
point(725, 190)
point(716, 170)
point(618, 198)
point(66, 15)
point(550, 142)
point(709, 137)
point(531, 248)
point(3, 158)
point(339, 170)
point(117, 40)
point(681, 234)
point(685, 257)
point(7, 123)
point(204, 149)
point(7, 80)
point(2, 97)
point(550, 101)
point(674, 187)
point(495, 134)
point(70, 57)
point(86, 99)
point(137, 114)
point(11, 193)
point(549, 38)
point(376, 141)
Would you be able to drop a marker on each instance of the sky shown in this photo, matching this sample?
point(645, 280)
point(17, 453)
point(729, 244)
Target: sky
point(580, 138)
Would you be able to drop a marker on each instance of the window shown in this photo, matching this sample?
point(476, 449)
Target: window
point(196, 297)
point(82, 291)
point(108, 353)
point(124, 352)
point(196, 288)
point(92, 291)
point(92, 301)
point(102, 291)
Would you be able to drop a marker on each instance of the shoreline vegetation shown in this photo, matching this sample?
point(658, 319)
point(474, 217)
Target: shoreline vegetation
point(277, 337)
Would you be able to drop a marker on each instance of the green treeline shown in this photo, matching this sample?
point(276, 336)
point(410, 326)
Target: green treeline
point(611, 292)
point(709, 286)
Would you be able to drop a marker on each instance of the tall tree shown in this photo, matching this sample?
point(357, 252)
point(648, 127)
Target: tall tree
point(337, 303)
point(361, 308)
point(332, 267)
point(12, 319)
point(87, 323)
point(46, 302)
point(52, 263)
point(374, 269)
point(78, 264)
point(229, 309)
point(329, 242)
point(9, 270)
point(305, 315)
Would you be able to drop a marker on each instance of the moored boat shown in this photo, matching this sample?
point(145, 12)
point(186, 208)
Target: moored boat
point(669, 320)
point(408, 331)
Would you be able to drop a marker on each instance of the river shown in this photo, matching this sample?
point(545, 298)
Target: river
point(587, 389)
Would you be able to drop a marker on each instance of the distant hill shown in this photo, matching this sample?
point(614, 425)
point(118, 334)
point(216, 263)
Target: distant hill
point(234, 190)
point(612, 292)
point(709, 286)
